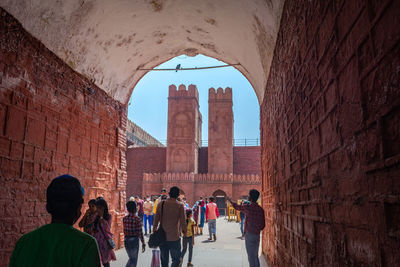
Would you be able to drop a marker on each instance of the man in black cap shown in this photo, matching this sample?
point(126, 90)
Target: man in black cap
point(58, 243)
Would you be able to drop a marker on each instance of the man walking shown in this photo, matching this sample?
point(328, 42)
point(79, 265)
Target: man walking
point(212, 214)
point(133, 233)
point(148, 214)
point(254, 223)
point(172, 215)
point(139, 205)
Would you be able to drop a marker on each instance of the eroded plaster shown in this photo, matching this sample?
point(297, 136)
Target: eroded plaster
point(107, 41)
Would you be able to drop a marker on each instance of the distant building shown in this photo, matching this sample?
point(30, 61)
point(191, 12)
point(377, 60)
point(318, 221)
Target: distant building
point(220, 169)
point(137, 137)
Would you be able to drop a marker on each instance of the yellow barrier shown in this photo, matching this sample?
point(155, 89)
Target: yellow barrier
point(233, 215)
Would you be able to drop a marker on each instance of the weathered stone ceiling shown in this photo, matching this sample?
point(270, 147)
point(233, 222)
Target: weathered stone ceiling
point(109, 40)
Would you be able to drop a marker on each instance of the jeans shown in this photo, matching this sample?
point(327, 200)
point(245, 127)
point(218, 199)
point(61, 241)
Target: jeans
point(132, 248)
point(212, 227)
point(147, 219)
point(185, 242)
point(252, 242)
point(242, 225)
point(173, 247)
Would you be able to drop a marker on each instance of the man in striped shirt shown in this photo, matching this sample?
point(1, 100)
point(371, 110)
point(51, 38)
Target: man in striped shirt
point(133, 232)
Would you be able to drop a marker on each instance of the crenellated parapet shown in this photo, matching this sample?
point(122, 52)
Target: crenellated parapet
point(199, 178)
point(246, 179)
point(183, 92)
point(220, 94)
point(214, 178)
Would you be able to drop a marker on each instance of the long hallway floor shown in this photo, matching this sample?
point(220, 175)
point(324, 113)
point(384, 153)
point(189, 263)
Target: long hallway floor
point(228, 251)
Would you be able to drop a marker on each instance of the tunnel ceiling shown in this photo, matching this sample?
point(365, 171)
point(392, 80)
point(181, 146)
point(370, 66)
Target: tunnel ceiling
point(107, 41)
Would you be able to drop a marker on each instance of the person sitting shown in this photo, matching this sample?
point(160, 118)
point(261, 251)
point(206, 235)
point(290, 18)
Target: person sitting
point(58, 243)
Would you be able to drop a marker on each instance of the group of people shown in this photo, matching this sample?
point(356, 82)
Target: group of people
point(60, 244)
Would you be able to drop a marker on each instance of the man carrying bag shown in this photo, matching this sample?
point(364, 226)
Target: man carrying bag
point(158, 236)
point(173, 220)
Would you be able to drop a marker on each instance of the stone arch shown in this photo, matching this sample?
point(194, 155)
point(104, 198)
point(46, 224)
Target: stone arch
point(219, 192)
point(220, 199)
point(112, 58)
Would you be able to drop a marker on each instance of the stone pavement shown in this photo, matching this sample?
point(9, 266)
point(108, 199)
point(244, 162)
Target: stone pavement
point(228, 251)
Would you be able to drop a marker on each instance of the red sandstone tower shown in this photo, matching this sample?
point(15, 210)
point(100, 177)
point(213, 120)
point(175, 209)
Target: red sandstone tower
point(220, 131)
point(184, 129)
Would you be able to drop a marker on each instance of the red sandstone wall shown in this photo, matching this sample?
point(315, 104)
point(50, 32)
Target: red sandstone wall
point(220, 130)
point(330, 124)
point(247, 160)
point(183, 129)
point(51, 124)
point(141, 160)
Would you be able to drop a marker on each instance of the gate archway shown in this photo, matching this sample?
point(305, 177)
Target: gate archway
point(220, 200)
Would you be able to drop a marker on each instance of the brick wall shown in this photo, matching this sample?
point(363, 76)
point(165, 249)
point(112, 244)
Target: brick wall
point(141, 160)
point(50, 124)
point(330, 125)
point(247, 160)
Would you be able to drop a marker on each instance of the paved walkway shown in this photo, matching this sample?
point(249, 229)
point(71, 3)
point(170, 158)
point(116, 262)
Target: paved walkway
point(228, 251)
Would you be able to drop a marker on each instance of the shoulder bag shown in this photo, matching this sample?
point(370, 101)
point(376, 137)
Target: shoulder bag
point(110, 241)
point(158, 237)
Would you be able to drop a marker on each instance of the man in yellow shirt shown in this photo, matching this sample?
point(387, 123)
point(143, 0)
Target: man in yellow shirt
point(163, 196)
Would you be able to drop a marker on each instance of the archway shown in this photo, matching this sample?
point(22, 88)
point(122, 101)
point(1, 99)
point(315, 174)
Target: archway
point(220, 200)
point(329, 130)
point(111, 49)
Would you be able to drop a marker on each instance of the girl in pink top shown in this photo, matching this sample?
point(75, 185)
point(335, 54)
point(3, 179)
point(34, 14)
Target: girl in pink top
point(102, 232)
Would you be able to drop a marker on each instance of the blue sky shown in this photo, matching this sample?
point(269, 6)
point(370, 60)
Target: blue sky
point(149, 101)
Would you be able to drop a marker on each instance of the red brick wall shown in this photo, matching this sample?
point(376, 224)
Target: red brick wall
point(330, 125)
point(247, 160)
point(141, 160)
point(51, 124)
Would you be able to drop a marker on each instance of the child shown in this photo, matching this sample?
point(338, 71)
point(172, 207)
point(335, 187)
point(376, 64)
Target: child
point(188, 239)
point(88, 219)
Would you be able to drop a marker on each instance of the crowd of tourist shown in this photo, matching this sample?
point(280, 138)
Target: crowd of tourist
point(60, 244)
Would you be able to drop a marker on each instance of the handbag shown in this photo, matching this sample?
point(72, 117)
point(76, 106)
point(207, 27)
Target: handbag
point(111, 243)
point(158, 237)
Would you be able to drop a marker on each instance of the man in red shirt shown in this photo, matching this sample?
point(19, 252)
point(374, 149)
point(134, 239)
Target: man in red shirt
point(254, 224)
point(212, 214)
